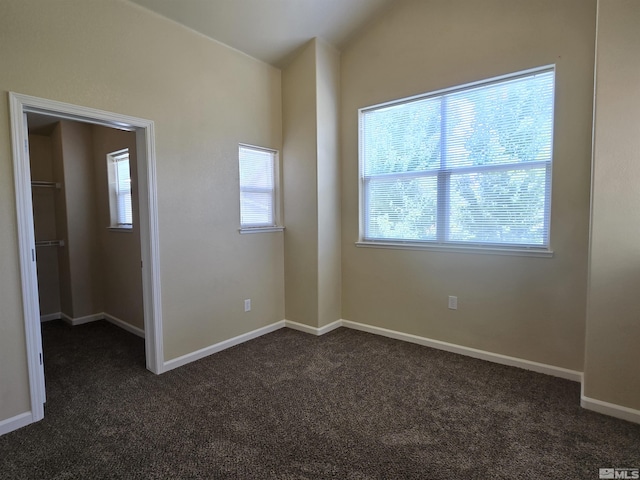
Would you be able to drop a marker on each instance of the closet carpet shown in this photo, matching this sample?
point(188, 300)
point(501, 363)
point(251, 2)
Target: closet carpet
point(288, 405)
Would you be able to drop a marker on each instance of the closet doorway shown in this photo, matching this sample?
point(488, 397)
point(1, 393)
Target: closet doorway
point(134, 136)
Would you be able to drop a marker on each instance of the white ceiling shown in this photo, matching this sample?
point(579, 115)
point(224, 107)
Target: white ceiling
point(271, 30)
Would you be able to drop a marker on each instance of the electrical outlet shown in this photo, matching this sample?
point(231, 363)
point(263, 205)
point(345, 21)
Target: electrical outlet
point(247, 305)
point(453, 302)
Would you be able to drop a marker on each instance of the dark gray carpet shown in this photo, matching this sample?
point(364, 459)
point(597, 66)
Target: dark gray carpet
point(347, 405)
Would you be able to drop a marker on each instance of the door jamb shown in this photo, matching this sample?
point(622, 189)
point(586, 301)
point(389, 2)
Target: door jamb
point(145, 142)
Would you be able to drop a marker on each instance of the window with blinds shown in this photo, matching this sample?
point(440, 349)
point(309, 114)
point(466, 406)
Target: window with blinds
point(120, 189)
point(257, 187)
point(466, 166)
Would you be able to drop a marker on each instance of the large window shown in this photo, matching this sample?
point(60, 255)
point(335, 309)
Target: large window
point(469, 166)
point(258, 181)
point(120, 189)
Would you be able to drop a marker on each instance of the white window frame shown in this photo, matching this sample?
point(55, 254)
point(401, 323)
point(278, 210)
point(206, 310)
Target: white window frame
point(440, 244)
point(115, 200)
point(274, 190)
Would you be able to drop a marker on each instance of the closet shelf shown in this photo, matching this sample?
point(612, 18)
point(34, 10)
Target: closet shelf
point(50, 243)
point(37, 183)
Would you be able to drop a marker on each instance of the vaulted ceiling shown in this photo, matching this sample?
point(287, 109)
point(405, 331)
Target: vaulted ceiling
point(271, 30)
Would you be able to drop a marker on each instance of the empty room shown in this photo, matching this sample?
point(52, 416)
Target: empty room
point(309, 239)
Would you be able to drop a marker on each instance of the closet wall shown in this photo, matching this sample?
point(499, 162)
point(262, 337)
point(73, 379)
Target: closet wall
point(45, 198)
point(81, 264)
point(97, 270)
point(119, 249)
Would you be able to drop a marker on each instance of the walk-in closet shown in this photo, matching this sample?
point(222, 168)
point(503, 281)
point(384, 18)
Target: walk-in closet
point(86, 222)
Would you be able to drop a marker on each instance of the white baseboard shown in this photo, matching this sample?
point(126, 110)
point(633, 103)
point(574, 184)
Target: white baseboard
point(611, 409)
point(469, 352)
point(50, 316)
point(313, 330)
point(102, 316)
point(14, 423)
point(124, 325)
point(204, 352)
point(82, 320)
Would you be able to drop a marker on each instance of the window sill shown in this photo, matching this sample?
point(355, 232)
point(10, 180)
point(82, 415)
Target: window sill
point(246, 230)
point(120, 229)
point(519, 252)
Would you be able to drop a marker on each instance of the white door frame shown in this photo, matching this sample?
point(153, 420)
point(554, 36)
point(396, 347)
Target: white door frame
point(20, 105)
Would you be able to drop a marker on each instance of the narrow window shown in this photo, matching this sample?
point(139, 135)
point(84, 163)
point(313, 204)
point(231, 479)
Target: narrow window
point(258, 200)
point(120, 189)
point(470, 166)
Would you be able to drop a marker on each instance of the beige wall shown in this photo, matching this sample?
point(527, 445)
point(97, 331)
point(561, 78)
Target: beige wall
point(119, 249)
point(118, 57)
point(531, 308)
point(311, 92)
point(81, 236)
point(612, 370)
point(44, 223)
point(300, 185)
point(328, 171)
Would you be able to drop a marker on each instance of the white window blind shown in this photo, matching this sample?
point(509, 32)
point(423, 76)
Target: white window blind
point(257, 186)
point(471, 166)
point(120, 189)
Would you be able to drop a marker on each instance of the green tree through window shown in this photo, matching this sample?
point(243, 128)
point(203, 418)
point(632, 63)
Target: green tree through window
point(470, 166)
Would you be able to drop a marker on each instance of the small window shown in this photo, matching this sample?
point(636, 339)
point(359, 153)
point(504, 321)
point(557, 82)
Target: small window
point(258, 180)
point(120, 189)
point(465, 167)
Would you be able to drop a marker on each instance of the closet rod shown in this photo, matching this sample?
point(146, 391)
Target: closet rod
point(50, 243)
point(45, 184)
